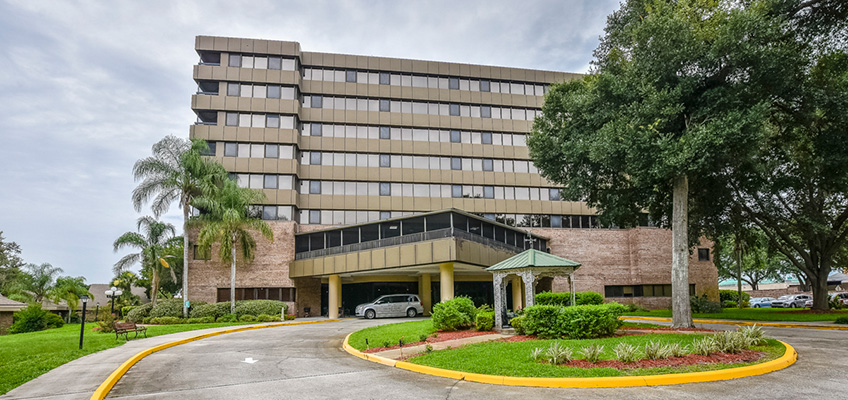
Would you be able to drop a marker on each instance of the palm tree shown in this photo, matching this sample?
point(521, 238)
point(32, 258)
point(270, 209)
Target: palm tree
point(69, 289)
point(155, 236)
point(38, 280)
point(226, 219)
point(176, 171)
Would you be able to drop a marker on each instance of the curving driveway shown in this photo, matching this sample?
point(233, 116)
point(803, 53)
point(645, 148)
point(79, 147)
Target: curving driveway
point(307, 362)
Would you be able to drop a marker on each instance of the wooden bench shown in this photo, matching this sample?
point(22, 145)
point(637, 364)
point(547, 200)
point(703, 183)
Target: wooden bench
point(125, 328)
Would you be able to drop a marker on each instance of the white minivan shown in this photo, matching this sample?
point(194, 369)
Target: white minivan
point(391, 305)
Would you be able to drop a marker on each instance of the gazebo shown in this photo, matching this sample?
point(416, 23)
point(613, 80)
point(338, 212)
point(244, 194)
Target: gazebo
point(529, 265)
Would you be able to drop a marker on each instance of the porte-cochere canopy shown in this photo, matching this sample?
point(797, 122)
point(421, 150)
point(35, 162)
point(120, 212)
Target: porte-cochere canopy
point(529, 265)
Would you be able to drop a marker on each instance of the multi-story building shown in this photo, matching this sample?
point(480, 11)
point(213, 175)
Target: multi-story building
point(357, 155)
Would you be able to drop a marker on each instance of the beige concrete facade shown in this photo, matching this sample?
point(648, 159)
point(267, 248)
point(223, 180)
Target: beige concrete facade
point(263, 103)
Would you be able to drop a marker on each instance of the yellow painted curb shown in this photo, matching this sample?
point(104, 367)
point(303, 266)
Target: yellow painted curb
point(788, 358)
point(746, 323)
point(107, 385)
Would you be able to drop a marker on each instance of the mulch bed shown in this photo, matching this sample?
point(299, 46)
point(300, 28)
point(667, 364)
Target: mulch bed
point(691, 359)
point(439, 337)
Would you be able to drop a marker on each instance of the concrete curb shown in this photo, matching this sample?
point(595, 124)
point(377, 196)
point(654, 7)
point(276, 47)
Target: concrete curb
point(788, 358)
point(107, 385)
point(747, 323)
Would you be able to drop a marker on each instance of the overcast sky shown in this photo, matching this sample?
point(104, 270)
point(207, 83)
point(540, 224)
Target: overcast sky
point(87, 87)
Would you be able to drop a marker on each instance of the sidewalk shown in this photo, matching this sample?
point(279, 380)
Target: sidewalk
point(776, 324)
point(79, 378)
point(396, 354)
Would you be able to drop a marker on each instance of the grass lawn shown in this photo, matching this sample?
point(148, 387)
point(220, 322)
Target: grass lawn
point(515, 359)
point(753, 314)
point(387, 335)
point(25, 356)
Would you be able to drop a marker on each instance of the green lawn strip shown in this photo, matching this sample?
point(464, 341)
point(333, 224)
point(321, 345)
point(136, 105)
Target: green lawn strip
point(25, 356)
point(515, 359)
point(388, 335)
point(751, 314)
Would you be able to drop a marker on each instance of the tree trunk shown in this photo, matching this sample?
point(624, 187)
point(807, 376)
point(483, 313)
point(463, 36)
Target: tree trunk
point(233, 279)
point(819, 286)
point(680, 309)
point(185, 258)
point(154, 286)
point(739, 281)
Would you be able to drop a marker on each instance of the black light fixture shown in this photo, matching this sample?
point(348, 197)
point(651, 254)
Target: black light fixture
point(84, 299)
point(112, 293)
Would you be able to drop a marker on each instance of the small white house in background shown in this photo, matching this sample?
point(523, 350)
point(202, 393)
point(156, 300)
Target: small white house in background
point(8, 308)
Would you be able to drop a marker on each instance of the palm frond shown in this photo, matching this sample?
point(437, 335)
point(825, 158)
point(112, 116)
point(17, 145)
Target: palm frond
point(125, 262)
point(129, 239)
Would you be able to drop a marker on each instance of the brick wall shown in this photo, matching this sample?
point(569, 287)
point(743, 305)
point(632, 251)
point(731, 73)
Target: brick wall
point(626, 257)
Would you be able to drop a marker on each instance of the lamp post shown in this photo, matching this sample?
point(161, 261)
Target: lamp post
point(97, 311)
point(84, 299)
point(111, 294)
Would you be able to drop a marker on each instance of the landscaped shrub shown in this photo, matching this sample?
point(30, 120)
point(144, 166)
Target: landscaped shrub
point(126, 310)
point(729, 342)
point(518, 324)
point(592, 353)
point(106, 324)
point(290, 317)
point(701, 304)
point(268, 318)
point(578, 322)
point(30, 319)
point(228, 318)
point(635, 308)
point(257, 307)
point(454, 314)
point(485, 321)
point(732, 295)
point(167, 308)
point(138, 314)
point(53, 321)
point(841, 320)
point(167, 320)
point(704, 347)
point(146, 320)
point(564, 299)
point(626, 352)
point(202, 320)
point(729, 304)
point(209, 310)
point(247, 318)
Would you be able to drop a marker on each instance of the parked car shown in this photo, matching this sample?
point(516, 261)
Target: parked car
point(841, 296)
point(761, 302)
point(392, 305)
point(791, 301)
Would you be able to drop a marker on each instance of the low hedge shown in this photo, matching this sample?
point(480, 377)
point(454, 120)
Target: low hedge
point(167, 320)
point(454, 314)
point(167, 308)
point(138, 314)
point(257, 307)
point(564, 299)
point(733, 295)
point(578, 322)
point(126, 310)
point(517, 323)
point(213, 310)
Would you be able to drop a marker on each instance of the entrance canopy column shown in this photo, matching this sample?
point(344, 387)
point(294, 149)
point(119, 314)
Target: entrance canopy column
point(446, 280)
point(426, 293)
point(335, 295)
point(517, 301)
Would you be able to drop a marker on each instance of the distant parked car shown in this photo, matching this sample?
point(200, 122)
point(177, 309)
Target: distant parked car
point(761, 302)
point(841, 296)
point(392, 305)
point(791, 301)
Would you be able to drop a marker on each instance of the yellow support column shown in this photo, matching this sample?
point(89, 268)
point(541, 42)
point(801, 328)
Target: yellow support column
point(517, 298)
point(425, 293)
point(335, 296)
point(446, 281)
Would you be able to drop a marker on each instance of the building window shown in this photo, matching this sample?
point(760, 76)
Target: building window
point(385, 160)
point(279, 294)
point(315, 130)
point(270, 182)
point(454, 109)
point(385, 78)
point(385, 214)
point(314, 187)
point(272, 151)
point(486, 112)
point(316, 102)
point(703, 254)
point(314, 216)
point(230, 150)
point(642, 290)
point(456, 190)
point(487, 137)
point(485, 86)
point(488, 192)
point(272, 121)
point(233, 89)
point(350, 76)
point(273, 92)
point(385, 189)
point(456, 163)
point(385, 105)
point(315, 158)
point(488, 164)
point(453, 83)
point(554, 195)
point(385, 132)
point(235, 60)
point(232, 119)
point(269, 212)
point(455, 136)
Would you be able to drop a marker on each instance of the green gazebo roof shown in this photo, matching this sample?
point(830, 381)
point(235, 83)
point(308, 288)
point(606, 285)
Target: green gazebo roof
point(533, 258)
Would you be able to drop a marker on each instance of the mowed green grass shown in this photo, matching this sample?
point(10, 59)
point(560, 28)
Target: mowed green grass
point(391, 333)
point(25, 356)
point(753, 314)
point(515, 359)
